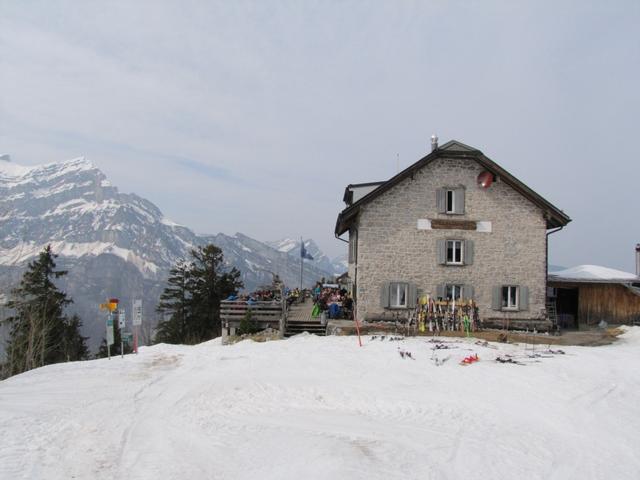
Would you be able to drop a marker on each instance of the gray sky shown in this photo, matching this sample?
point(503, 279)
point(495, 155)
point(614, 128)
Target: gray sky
point(253, 116)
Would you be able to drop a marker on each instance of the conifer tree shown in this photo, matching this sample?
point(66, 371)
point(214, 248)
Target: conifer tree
point(211, 285)
point(176, 306)
point(74, 345)
point(191, 300)
point(40, 332)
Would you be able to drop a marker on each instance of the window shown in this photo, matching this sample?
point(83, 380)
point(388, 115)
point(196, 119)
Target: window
point(454, 252)
point(453, 292)
point(398, 295)
point(451, 201)
point(510, 298)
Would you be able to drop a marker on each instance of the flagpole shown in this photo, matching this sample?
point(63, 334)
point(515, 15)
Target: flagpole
point(301, 261)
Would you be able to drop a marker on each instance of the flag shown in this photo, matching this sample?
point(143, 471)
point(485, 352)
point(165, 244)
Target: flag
point(304, 253)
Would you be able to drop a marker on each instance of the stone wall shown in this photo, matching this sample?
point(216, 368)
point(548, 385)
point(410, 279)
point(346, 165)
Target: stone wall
point(392, 248)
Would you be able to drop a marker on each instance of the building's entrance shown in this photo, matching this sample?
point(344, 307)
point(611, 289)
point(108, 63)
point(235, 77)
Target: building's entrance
point(567, 307)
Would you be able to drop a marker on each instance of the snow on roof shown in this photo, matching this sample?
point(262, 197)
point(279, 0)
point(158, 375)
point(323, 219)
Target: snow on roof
point(594, 273)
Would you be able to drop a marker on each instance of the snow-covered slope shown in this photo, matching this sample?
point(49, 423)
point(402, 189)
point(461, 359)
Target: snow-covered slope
point(323, 408)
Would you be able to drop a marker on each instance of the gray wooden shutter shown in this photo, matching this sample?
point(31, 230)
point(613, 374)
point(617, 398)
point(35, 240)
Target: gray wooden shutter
point(467, 292)
point(441, 251)
point(524, 298)
point(468, 252)
point(384, 295)
point(441, 200)
point(496, 301)
point(440, 290)
point(353, 245)
point(459, 202)
point(413, 295)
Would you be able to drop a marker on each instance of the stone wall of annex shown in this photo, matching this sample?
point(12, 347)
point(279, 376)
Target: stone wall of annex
point(392, 248)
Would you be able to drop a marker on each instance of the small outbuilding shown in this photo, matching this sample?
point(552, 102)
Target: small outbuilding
point(588, 294)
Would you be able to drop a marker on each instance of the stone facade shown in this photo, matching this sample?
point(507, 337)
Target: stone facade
point(391, 247)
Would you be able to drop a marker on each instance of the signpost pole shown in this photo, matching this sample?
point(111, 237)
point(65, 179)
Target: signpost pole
point(137, 321)
point(121, 324)
point(111, 306)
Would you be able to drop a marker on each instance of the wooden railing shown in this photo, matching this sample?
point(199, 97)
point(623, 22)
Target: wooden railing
point(263, 314)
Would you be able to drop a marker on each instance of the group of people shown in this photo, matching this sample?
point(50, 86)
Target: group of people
point(329, 299)
point(333, 301)
point(255, 297)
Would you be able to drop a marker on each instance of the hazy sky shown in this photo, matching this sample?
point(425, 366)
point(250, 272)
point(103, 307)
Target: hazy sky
point(253, 116)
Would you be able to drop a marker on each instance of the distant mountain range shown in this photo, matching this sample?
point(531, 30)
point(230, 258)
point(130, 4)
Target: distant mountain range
point(120, 245)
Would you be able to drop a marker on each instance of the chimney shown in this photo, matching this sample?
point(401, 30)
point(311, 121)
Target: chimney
point(434, 142)
point(638, 259)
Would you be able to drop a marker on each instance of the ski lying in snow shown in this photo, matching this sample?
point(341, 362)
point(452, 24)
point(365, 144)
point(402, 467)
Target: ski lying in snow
point(508, 360)
point(485, 344)
point(470, 360)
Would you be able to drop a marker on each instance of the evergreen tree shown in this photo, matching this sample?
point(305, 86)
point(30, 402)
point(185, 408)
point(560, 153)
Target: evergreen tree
point(191, 300)
point(176, 306)
point(211, 284)
point(73, 344)
point(40, 332)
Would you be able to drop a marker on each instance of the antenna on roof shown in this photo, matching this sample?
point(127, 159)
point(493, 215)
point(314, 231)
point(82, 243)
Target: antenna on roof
point(434, 142)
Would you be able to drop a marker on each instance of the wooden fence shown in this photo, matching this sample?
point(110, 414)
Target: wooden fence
point(263, 315)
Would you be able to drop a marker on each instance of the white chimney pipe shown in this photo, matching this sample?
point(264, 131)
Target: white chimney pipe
point(434, 142)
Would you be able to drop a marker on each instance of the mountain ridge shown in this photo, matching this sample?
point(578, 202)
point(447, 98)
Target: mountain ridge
point(113, 243)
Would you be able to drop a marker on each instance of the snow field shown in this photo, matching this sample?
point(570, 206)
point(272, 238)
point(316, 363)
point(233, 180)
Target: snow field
point(323, 408)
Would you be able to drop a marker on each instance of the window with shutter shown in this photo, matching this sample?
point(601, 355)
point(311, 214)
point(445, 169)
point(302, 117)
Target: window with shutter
point(398, 295)
point(453, 292)
point(454, 252)
point(450, 201)
point(510, 297)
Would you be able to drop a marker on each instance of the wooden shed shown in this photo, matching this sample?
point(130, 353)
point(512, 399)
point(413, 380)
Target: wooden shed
point(588, 294)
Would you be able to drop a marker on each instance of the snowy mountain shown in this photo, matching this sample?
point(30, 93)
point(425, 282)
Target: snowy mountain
point(335, 266)
point(113, 244)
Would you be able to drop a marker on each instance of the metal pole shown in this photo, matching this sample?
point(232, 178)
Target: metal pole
point(301, 261)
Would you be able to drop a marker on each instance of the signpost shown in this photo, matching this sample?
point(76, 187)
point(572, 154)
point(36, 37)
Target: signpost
point(137, 321)
point(109, 334)
point(121, 323)
point(112, 306)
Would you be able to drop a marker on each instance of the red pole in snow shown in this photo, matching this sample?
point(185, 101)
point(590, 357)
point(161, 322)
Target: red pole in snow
point(355, 318)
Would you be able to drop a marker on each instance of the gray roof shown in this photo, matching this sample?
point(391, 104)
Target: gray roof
point(454, 149)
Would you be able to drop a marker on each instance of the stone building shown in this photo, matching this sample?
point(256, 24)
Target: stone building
point(452, 225)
